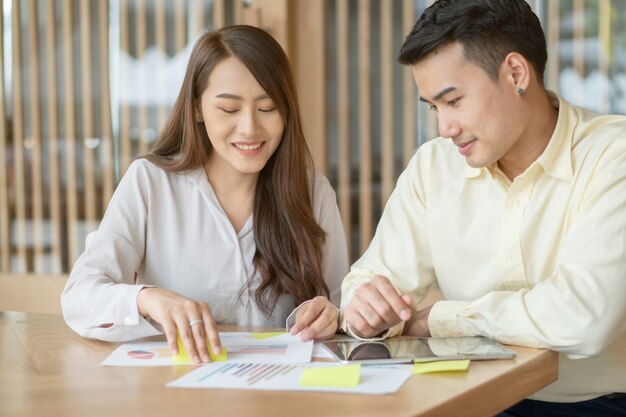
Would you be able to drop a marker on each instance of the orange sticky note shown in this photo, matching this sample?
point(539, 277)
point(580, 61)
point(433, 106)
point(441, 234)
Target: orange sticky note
point(183, 356)
point(335, 376)
point(440, 366)
point(266, 335)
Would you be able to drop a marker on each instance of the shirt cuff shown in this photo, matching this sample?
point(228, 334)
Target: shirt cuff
point(443, 319)
point(391, 332)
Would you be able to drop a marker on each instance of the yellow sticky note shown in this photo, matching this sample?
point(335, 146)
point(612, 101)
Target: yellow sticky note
point(266, 335)
point(336, 376)
point(441, 366)
point(183, 356)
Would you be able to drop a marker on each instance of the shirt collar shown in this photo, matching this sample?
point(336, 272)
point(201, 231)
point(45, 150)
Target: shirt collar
point(556, 159)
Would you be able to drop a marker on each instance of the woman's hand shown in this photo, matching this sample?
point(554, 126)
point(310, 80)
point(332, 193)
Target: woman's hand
point(316, 319)
point(191, 319)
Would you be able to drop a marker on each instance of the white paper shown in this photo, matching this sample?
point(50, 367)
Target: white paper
point(240, 346)
point(383, 379)
point(320, 352)
point(142, 354)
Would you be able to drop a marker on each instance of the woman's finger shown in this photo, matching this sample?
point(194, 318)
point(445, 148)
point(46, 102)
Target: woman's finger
point(186, 336)
point(211, 332)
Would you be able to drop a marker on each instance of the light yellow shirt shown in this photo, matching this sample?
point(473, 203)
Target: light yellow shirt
point(539, 261)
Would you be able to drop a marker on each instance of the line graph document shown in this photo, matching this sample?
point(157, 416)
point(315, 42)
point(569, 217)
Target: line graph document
point(384, 379)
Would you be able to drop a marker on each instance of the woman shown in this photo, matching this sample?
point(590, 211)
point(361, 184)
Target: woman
point(224, 221)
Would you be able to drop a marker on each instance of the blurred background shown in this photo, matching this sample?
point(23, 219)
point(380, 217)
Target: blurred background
point(87, 84)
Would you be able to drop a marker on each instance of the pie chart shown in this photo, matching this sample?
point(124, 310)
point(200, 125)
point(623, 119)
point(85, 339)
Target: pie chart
point(141, 354)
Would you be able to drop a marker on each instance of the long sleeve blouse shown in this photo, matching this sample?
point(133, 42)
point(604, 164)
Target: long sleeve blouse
point(168, 230)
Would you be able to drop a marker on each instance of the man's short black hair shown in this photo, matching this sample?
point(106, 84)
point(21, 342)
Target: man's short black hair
point(488, 30)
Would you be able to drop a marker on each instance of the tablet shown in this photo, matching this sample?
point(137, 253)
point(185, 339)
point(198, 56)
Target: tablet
point(417, 349)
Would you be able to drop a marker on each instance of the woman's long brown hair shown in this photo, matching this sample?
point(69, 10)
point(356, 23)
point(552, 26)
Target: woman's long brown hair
point(288, 239)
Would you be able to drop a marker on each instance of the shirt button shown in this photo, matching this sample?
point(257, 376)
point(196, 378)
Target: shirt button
point(515, 203)
point(128, 321)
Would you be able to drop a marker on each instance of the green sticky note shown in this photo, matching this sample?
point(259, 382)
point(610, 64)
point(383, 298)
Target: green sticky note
point(266, 335)
point(183, 356)
point(441, 366)
point(336, 376)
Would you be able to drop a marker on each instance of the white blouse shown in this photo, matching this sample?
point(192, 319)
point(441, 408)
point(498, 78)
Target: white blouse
point(168, 230)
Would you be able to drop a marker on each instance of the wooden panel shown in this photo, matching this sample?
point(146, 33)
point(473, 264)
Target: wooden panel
point(219, 13)
point(5, 223)
point(309, 66)
point(180, 27)
point(197, 17)
point(71, 203)
point(19, 172)
point(160, 29)
point(343, 119)
point(34, 140)
point(553, 44)
point(141, 41)
point(89, 141)
point(365, 134)
point(579, 37)
point(107, 155)
point(605, 48)
point(126, 154)
point(409, 137)
point(386, 103)
point(274, 17)
point(54, 187)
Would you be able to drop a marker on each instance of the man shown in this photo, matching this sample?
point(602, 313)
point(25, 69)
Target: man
point(517, 212)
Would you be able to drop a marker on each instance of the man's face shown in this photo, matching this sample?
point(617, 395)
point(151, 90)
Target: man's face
point(481, 116)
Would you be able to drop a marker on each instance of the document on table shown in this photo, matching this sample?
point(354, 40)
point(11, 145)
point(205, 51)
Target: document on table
point(383, 379)
point(241, 346)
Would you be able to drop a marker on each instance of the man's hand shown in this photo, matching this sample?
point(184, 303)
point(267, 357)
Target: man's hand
point(190, 319)
point(316, 319)
point(376, 307)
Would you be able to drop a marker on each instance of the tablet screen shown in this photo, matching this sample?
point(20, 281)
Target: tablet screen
point(417, 349)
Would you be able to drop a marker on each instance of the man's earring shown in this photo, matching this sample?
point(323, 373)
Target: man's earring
point(520, 91)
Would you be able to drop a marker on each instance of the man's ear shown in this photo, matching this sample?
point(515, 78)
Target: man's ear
point(517, 72)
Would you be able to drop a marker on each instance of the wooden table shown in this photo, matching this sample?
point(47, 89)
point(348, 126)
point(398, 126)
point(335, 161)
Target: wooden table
point(46, 370)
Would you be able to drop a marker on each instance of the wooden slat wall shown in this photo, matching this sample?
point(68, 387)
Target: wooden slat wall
point(386, 102)
point(65, 154)
point(19, 173)
point(384, 146)
point(160, 29)
point(35, 139)
point(59, 153)
point(125, 143)
point(54, 186)
point(365, 131)
point(89, 140)
point(343, 118)
point(71, 192)
point(107, 156)
point(409, 138)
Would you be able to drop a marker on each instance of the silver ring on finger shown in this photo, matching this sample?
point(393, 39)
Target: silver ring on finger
point(194, 322)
